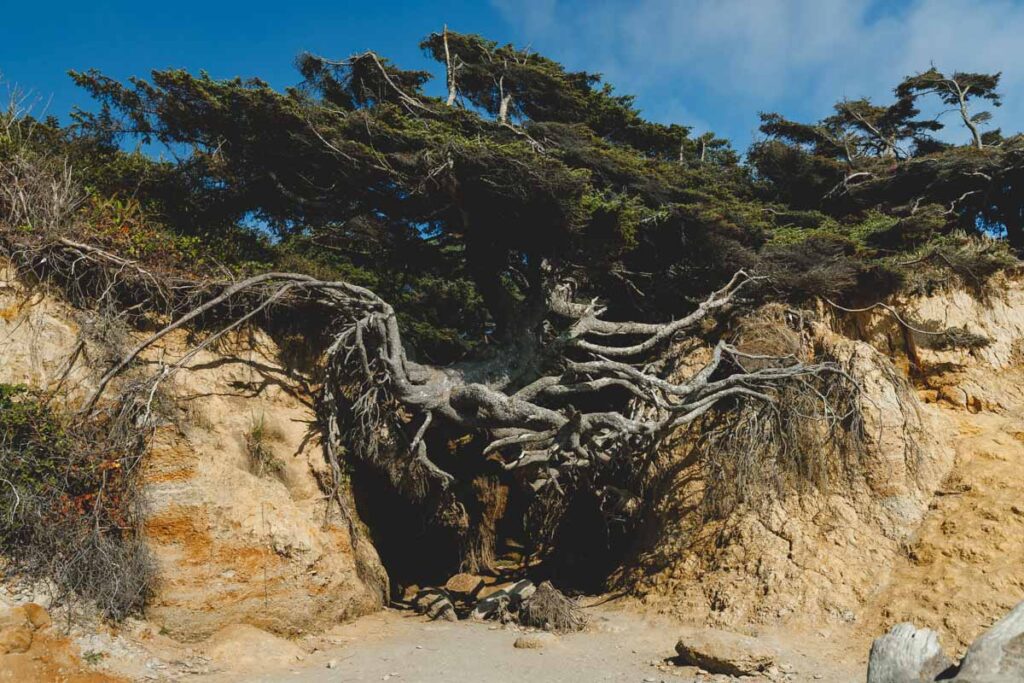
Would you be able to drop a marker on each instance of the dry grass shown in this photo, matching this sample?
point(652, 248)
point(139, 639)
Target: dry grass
point(262, 461)
point(812, 435)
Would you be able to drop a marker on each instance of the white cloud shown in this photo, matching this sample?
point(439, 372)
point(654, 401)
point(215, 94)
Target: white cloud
point(795, 56)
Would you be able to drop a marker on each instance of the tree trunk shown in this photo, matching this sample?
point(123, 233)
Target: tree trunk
point(491, 502)
point(450, 71)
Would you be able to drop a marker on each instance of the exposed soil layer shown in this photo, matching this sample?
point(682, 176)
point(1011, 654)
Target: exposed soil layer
point(966, 567)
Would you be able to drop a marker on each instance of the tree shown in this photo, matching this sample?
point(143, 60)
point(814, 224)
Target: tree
point(958, 91)
point(590, 249)
point(866, 157)
point(845, 146)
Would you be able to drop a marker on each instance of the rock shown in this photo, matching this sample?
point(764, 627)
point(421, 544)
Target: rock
point(997, 656)
point(535, 641)
point(953, 395)
point(31, 651)
point(908, 654)
point(722, 652)
point(464, 583)
point(29, 615)
point(436, 604)
point(333, 664)
point(247, 648)
point(35, 614)
point(210, 523)
point(510, 596)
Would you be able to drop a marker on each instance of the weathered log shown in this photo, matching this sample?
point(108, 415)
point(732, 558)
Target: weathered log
point(997, 656)
point(906, 654)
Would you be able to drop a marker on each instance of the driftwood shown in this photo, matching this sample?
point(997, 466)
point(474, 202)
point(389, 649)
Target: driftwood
point(907, 654)
point(997, 656)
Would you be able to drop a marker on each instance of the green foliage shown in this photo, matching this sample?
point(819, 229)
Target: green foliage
point(460, 214)
point(959, 258)
point(956, 90)
point(35, 448)
point(882, 159)
point(359, 162)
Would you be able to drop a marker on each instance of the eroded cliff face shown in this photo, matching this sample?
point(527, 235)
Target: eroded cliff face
point(234, 541)
point(925, 532)
point(964, 566)
point(931, 529)
point(814, 557)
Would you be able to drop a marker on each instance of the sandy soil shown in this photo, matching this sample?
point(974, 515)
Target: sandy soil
point(622, 645)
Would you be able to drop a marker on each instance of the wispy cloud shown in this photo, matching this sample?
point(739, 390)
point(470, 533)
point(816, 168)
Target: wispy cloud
point(724, 60)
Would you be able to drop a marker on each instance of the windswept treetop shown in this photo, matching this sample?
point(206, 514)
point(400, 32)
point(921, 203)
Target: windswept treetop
point(565, 174)
point(885, 158)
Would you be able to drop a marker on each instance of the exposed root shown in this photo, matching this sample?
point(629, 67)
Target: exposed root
point(550, 609)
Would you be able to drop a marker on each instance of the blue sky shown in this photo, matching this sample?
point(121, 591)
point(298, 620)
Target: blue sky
point(711, 64)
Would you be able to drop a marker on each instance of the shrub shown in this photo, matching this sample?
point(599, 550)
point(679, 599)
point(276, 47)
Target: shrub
point(68, 510)
point(957, 260)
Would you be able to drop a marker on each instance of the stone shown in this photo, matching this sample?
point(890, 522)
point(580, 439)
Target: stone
point(997, 656)
point(535, 641)
point(436, 604)
point(34, 614)
point(244, 647)
point(465, 583)
point(723, 652)
point(907, 654)
point(953, 395)
point(509, 595)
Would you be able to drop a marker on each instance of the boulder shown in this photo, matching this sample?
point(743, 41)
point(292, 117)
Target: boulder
point(31, 650)
point(246, 648)
point(15, 639)
point(464, 583)
point(436, 604)
point(510, 597)
point(723, 652)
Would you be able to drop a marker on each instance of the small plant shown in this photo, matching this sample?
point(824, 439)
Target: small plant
point(262, 461)
point(94, 657)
